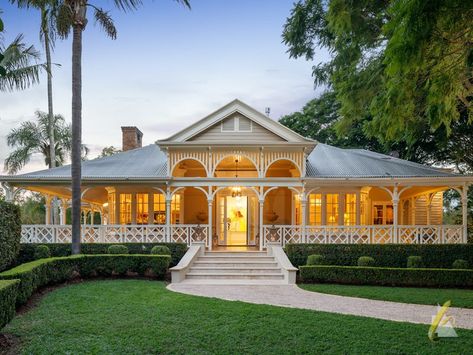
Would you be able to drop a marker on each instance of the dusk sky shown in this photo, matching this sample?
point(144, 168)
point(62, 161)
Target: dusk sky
point(169, 67)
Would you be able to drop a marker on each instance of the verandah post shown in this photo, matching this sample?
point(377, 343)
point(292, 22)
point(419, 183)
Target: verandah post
point(395, 213)
point(464, 198)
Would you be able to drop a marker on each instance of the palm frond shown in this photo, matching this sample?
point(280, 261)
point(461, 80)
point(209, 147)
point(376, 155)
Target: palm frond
point(17, 159)
point(64, 20)
point(21, 73)
point(103, 18)
point(128, 5)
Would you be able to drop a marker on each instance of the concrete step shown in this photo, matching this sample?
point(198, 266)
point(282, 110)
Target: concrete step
point(230, 263)
point(234, 275)
point(236, 253)
point(233, 282)
point(218, 258)
point(226, 269)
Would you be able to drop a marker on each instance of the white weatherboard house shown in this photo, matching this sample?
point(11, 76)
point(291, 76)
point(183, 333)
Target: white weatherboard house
point(237, 179)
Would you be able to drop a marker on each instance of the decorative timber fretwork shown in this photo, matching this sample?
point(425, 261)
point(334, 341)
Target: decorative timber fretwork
point(262, 159)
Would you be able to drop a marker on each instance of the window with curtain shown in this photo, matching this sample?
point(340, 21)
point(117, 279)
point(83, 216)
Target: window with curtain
point(349, 217)
point(142, 208)
point(315, 209)
point(332, 209)
point(159, 209)
point(125, 208)
point(176, 209)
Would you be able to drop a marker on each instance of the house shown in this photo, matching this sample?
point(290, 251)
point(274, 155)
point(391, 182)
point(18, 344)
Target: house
point(239, 178)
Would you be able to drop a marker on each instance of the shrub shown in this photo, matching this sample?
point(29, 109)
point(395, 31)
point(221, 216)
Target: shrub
point(42, 252)
point(64, 249)
point(10, 233)
point(117, 249)
point(315, 259)
point(160, 250)
point(387, 276)
point(8, 292)
point(460, 264)
point(388, 255)
point(42, 272)
point(415, 261)
point(365, 261)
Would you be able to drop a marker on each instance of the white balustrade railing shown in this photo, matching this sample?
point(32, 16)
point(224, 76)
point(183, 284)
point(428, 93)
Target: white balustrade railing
point(375, 234)
point(284, 234)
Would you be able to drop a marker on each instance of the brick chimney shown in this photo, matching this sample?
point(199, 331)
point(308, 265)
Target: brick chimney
point(131, 138)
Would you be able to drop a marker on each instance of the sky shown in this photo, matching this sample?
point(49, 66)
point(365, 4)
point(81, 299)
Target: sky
point(169, 67)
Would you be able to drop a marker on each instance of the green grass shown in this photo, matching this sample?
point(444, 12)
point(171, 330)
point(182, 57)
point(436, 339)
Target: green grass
point(431, 296)
point(138, 316)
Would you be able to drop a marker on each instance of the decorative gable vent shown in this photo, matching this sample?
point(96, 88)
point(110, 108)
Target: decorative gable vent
point(244, 124)
point(228, 125)
point(236, 124)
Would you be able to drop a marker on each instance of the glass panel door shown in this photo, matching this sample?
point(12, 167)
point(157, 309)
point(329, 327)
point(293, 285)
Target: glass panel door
point(237, 220)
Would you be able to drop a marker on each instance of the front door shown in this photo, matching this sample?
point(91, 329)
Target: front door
point(236, 220)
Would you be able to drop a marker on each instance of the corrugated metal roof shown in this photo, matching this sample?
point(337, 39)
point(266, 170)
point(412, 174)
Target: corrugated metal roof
point(148, 161)
point(328, 161)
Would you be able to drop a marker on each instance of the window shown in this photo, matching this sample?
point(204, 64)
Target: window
point(159, 203)
point(349, 217)
point(142, 209)
point(332, 209)
point(363, 208)
point(125, 208)
point(176, 209)
point(111, 208)
point(315, 209)
point(383, 213)
point(159, 207)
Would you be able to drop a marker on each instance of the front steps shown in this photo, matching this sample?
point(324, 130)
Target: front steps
point(227, 267)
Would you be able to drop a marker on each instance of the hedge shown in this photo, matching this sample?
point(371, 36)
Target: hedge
point(386, 255)
point(8, 291)
point(59, 269)
point(10, 233)
point(64, 249)
point(361, 275)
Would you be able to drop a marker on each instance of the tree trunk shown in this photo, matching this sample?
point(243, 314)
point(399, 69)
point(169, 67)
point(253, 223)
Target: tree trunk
point(52, 140)
point(76, 135)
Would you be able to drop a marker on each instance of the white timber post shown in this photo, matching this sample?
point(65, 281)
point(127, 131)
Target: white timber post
point(47, 206)
point(168, 214)
point(62, 212)
point(151, 208)
point(133, 208)
point(395, 213)
point(92, 214)
point(464, 197)
point(341, 209)
point(413, 210)
point(210, 213)
point(261, 236)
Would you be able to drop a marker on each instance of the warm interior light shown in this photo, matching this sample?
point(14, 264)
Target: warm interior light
point(105, 204)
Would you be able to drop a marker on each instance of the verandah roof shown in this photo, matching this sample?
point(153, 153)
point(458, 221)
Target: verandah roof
point(325, 161)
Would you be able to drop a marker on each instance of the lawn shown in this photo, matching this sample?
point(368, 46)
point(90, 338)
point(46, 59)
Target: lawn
point(138, 316)
point(431, 296)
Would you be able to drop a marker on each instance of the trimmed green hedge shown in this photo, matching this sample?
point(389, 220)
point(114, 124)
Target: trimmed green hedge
point(8, 292)
point(360, 275)
point(60, 249)
point(10, 233)
point(59, 269)
point(388, 255)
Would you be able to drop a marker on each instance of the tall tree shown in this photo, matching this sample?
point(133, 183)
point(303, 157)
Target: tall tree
point(399, 67)
point(109, 151)
point(32, 137)
point(20, 65)
point(72, 16)
point(47, 32)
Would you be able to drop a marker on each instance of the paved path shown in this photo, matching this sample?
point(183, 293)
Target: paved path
point(293, 296)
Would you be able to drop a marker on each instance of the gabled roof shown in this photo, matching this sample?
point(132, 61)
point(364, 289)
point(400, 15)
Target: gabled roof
point(146, 162)
point(331, 162)
point(232, 107)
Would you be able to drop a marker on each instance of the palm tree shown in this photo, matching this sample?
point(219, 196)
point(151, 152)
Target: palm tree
point(32, 137)
point(17, 61)
point(72, 15)
point(47, 33)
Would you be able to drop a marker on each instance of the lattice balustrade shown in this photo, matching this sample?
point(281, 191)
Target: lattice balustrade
point(452, 234)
